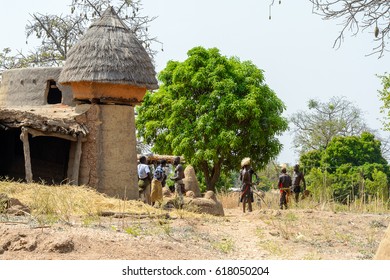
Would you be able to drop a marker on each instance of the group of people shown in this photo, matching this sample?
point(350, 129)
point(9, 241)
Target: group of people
point(287, 185)
point(150, 185)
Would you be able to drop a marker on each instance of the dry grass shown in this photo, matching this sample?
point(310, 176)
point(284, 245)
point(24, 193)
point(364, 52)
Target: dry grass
point(50, 204)
point(230, 200)
point(309, 230)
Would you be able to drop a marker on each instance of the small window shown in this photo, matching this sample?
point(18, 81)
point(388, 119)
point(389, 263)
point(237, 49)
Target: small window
point(54, 95)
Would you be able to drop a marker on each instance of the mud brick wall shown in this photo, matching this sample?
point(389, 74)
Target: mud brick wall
point(109, 158)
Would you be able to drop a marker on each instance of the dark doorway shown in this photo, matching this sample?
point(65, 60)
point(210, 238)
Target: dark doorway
point(11, 155)
point(54, 95)
point(49, 157)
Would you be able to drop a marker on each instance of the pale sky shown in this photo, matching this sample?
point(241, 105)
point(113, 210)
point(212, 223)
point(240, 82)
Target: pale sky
point(294, 48)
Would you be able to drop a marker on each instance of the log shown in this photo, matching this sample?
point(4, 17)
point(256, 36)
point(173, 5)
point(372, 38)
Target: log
point(153, 159)
point(27, 158)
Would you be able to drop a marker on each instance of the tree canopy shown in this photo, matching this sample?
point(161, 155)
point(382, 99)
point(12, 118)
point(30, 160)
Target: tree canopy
point(213, 110)
point(354, 150)
point(349, 166)
point(315, 128)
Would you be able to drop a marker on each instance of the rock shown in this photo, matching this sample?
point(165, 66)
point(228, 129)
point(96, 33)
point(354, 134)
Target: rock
point(208, 204)
point(191, 182)
point(383, 251)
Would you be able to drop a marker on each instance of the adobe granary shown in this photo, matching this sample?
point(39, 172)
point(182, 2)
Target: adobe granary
point(76, 124)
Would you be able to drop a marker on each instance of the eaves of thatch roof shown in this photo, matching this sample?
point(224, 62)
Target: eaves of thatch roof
point(109, 52)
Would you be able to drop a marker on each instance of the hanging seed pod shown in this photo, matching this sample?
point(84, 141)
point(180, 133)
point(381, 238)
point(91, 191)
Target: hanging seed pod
point(280, 1)
point(376, 32)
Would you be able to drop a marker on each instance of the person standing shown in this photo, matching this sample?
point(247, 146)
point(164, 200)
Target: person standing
point(298, 177)
point(178, 179)
point(246, 173)
point(157, 183)
point(144, 178)
point(284, 185)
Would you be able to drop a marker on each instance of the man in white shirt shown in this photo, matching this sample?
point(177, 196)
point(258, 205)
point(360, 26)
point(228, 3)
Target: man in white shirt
point(144, 177)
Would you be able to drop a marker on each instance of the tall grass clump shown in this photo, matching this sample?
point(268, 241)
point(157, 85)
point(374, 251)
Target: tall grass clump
point(50, 204)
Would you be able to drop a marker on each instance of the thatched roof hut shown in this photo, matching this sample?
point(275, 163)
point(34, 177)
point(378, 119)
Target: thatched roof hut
point(108, 53)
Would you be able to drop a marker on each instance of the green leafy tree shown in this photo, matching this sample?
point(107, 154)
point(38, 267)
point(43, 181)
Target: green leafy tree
point(347, 166)
point(378, 185)
point(310, 160)
point(384, 95)
point(354, 150)
point(214, 111)
point(315, 128)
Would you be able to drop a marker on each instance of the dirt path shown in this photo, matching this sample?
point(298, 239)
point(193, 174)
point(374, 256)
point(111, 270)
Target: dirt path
point(262, 234)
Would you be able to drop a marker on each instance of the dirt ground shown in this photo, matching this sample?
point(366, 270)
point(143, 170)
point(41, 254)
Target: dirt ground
point(296, 234)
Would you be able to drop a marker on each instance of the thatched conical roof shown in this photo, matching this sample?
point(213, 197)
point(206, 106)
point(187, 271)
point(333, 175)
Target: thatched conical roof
point(109, 52)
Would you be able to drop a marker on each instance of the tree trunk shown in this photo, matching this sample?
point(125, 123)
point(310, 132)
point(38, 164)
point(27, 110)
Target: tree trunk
point(211, 176)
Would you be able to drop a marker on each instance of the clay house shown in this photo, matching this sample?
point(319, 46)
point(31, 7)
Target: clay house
point(75, 124)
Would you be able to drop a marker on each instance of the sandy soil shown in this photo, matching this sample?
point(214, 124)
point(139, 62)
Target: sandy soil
point(294, 234)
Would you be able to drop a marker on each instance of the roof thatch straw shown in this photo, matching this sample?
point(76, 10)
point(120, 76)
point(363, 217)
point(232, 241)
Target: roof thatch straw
point(109, 52)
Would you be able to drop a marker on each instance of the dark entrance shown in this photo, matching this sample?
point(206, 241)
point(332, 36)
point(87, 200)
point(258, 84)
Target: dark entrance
point(11, 155)
point(49, 157)
point(54, 95)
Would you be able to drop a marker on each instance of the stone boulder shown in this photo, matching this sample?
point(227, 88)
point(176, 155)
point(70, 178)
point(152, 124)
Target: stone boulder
point(191, 182)
point(383, 251)
point(208, 204)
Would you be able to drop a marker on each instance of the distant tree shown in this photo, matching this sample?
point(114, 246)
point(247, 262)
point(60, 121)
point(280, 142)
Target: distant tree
point(384, 95)
point(354, 150)
point(349, 166)
point(214, 111)
point(8, 61)
point(314, 129)
point(372, 15)
point(58, 33)
point(310, 160)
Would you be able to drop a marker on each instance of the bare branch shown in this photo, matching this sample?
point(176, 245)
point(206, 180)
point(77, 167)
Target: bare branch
point(358, 15)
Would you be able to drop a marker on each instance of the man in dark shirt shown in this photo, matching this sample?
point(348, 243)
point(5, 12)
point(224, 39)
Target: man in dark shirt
point(298, 177)
point(284, 185)
point(178, 178)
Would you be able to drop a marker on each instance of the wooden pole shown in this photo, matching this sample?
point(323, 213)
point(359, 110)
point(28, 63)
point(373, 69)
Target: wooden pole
point(76, 162)
point(27, 157)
